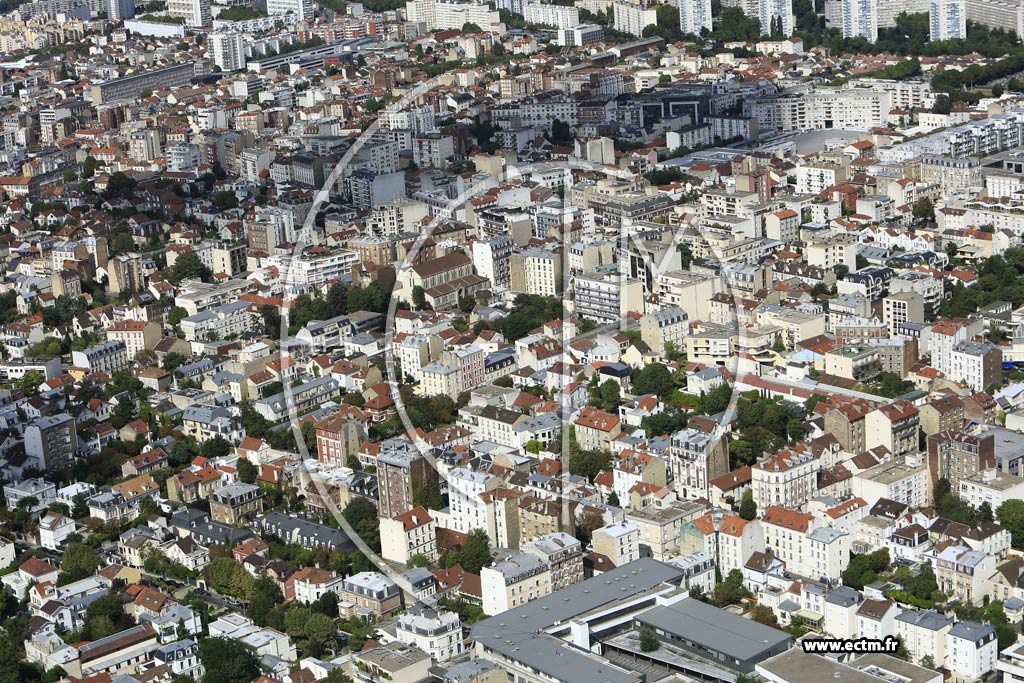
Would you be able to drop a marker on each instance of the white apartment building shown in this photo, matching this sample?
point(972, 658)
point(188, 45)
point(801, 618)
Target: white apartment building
point(411, 533)
point(619, 542)
point(633, 18)
point(821, 108)
point(785, 533)
point(542, 271)
point(769, 10)
point(860, 19)
point(948, 19)
point(559, 16)
point(971, 650)
point(695, 17)
point(992, 487)
point(468, 511)
point(227, 48)
point(904, 480)
point(924, 634)
point(136, 335)
point(305, 272)
point(108, 357)
point(229, 320)
point(826, 552)
point(302, 9)
point(788, 478)
point(729, 539)
point(196, 13)
point(513, 582)
point(492, 258)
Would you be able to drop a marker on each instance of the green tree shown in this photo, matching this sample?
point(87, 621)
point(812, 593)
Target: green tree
point(122, 243)
point(561, 132)
point(338, 675)
point(319, 629)
point(748, 508)
point(247, 472)
point(120, 186)
point(731, 590)
point(104, 617)
point(227, 660)
point(589, 463)
point(611, 394)
point(79, 561)
point(1011, 516)
point(654, 379)
point(89, 166)
point(419, 297)
point(361, 514)
point(475, 553)
point(924, 209)
point(265, 597)
point(30, 382)
point(648, 640)
point(985, 513)
point(188, 267)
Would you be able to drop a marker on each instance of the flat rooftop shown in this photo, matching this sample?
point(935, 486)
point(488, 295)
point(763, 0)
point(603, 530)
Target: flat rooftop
point(518, 633)
point(797, 666)
point(715, 629)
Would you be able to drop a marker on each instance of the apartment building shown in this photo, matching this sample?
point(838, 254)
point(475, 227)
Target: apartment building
point(788, 478)
point(895, 426)
point(224, 322)
point(903, 479)
point(410, 534)
point(236, 503)
point(107, 357)
point(401, 470)
point(956, 456)
point(436, 632)
point(785, 533)
point(728, 539)
point(663, 327)
point(513, 582)
point(372, 591)
point(51, 442)
point(136, 335)
point(619, 542)
point(562, 553)
point(695, 458)
point(963, 573)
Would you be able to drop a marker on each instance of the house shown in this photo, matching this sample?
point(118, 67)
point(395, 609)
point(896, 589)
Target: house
point(187, 553)
point(31, 571)
point(729, 539)
point(54, 528)
point(309, 584)
point(876, 618)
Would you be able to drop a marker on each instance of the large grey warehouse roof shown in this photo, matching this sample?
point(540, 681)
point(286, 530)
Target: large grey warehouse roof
point(715, 629)
point(517, 632)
